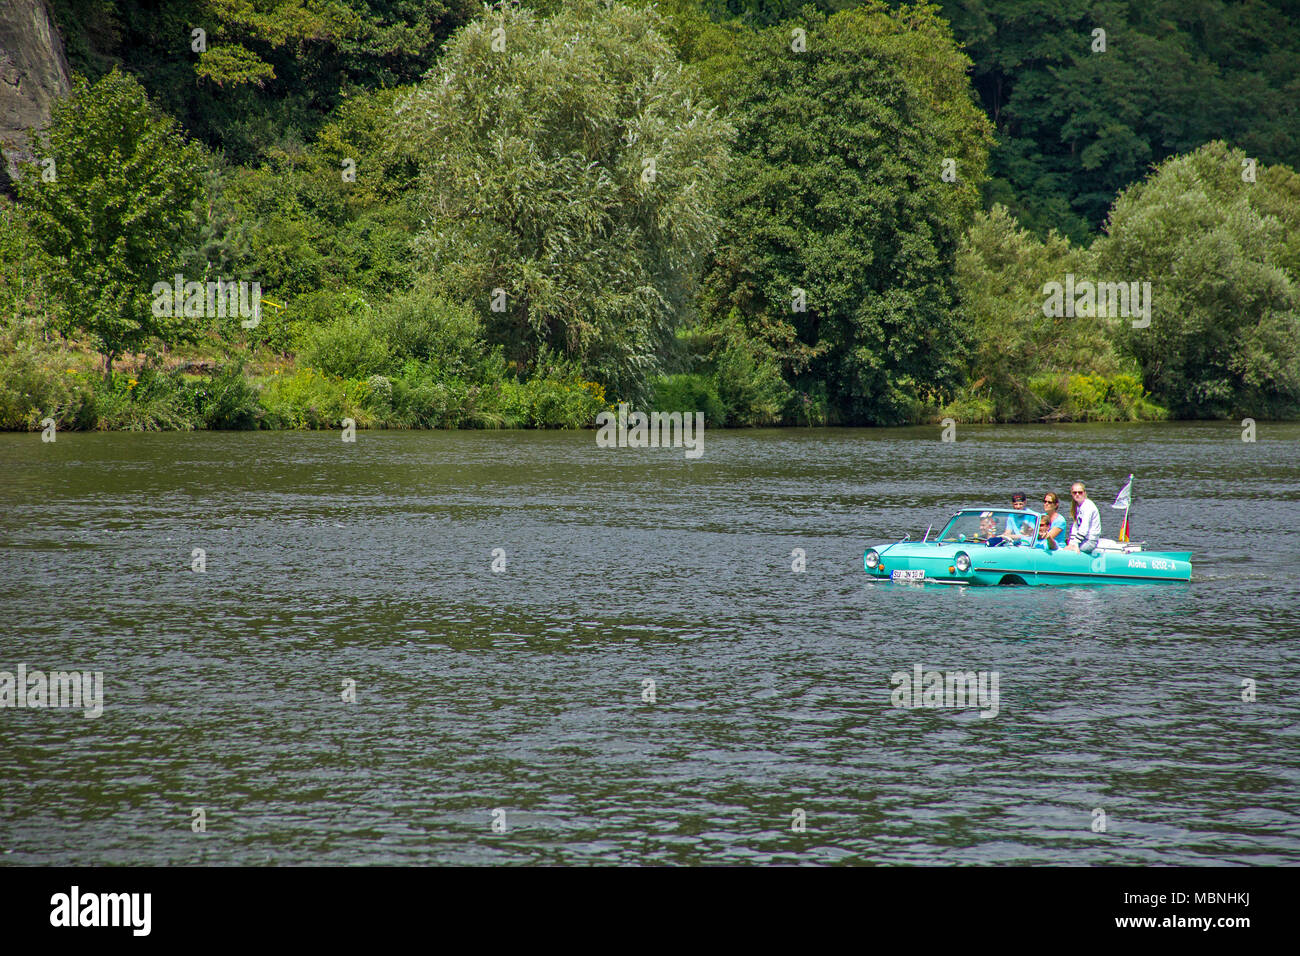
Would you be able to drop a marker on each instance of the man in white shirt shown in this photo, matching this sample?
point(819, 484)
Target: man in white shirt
point(1085, 531)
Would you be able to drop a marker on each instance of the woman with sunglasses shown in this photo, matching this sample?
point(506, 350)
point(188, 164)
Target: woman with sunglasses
point(1052, 530)
point(1085, 530)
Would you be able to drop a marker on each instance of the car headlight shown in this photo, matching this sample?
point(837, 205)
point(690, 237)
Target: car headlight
point(871, 559)
point(962, 563)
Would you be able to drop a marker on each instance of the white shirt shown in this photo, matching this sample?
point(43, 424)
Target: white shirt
point(1086, 530)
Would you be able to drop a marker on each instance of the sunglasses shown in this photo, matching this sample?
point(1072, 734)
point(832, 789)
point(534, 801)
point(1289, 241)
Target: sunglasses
point(1076, 492)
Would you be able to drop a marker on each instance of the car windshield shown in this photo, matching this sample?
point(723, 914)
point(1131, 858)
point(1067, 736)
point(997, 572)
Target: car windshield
point(981, 525)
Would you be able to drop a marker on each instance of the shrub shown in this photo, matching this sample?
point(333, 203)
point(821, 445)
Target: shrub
point(747, 373)
point(274, 329)
point(423, 404)
point(1093, 398)
point(227, 401)
point(1051, 394)
point(346, 346)
point(147, 401)
point(310, 399)
point(551, 402)
point(810, 408)
point(380, 390)
point(35, 385)
point(424, 326)
point(1084, 395)
point(687, 392)
point(970, 406)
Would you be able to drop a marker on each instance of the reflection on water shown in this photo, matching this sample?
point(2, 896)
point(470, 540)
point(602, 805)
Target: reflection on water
point(523, 689)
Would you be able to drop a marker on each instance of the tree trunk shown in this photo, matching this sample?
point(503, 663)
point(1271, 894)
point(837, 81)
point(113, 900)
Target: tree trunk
point(108, 368)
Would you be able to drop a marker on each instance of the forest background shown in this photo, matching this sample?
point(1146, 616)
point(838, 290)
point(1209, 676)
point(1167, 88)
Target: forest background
point(775, 213)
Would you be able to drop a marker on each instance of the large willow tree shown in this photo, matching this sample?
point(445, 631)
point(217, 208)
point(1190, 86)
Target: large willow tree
point(841, 226)
point(569, 162)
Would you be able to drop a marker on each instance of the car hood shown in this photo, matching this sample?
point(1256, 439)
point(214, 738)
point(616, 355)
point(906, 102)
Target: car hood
point(921, 549)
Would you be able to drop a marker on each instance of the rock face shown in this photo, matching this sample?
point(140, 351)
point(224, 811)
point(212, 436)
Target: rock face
point(33, 74)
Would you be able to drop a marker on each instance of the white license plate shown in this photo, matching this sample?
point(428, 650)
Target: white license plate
point(907, 576)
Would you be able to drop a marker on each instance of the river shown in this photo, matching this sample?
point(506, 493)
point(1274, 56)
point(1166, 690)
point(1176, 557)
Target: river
point(307, 655)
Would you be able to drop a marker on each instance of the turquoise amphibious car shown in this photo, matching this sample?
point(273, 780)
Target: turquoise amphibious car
point(1000, 546)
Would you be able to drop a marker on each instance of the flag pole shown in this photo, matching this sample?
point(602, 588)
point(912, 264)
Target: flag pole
point(1124, 526)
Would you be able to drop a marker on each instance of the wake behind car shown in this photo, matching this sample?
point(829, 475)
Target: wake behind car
point(972, 549)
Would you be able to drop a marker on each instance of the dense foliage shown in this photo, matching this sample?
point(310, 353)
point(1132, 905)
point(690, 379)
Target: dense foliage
point(1027, 365)
point(262, 75)
point(1081, 115)
point(770, 211)
point(841, 228)
point(1078, 122)
point(1223, 255)
point(566, 186)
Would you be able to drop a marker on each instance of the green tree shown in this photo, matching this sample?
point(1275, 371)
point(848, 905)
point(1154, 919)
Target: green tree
point(709, 49)
point(1025, 363)
point(330, 216)
point(1223, 258)
point(1078, 122)
point(111, 206)
point(766, 13)
point(841, 228)
point(272, 70)
point(570, 163)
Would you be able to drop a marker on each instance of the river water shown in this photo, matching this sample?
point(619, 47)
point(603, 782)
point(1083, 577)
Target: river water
point(515, 700)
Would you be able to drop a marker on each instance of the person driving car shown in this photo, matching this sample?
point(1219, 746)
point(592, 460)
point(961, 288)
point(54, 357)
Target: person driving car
point(988, 533)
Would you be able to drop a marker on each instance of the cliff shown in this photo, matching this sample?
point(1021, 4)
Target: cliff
point(33, 74)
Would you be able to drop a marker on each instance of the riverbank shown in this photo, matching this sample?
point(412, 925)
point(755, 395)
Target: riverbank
point(242, 389)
